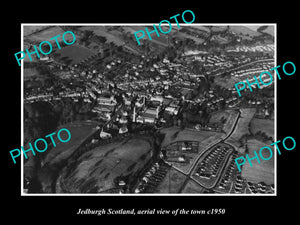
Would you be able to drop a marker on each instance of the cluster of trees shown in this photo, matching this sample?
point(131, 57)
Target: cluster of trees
point(259, 135)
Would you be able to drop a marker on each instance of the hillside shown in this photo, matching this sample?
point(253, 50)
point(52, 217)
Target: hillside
point(97, 170)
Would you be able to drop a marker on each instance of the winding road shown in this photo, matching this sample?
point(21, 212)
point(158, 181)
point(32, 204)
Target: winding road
point(196, 161)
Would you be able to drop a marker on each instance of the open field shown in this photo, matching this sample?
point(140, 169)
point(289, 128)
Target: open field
point(202, 28)
point(161, 40)
point(79, 132)
point(76, 53)
point(216, 117)
point(263, 171)
point(182, 36)
point(57, 156)
point(30, 72)
point(175, 134)
point(31, 29)
point(245, 30)
point(268, 30)
point(219, 39)
point(49, 33)
point(97, 169)
point(102, 31)
point(242, 127)
point(172, 182)
point(264, 125)
point(192, 187)
point(218, 28)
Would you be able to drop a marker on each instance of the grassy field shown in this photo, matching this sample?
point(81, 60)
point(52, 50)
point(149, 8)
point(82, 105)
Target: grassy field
point(263, 171)
point(102, 31)
point(242, 127)
point(76, 53)
point(172, 182)
point(202, 28)
point(29, 72)
point(216, 116)
point(218, 28)
point(162, 40)
point(264, 125)
point(182, 36)
point(58, 155)
point(245, 30)
point(79, 132)
point(49, 33)
point(174, 134)
point(96, 170)
point(31, 29)
point(268, 30)
point(192, 187)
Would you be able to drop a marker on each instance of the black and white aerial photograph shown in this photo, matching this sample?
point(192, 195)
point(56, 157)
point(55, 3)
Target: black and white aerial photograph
point(148, 114)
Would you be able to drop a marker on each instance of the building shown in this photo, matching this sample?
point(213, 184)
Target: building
point(107, 101)
point(157, 98)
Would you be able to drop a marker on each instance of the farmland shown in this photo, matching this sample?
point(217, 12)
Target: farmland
point(182, 36)
point(48, 33)
point(75, 53)
point(161, 40)
point(264, 125)
point(202, 28)
point(244, 31)
point(174, 134)
point(266, 29)
point(172, 182)
point(192, 187)
point(102, 31)
point(97, 169)
point(28, 30)
point(263, 171)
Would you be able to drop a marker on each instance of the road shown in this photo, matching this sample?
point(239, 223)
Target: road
point(195, 163)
